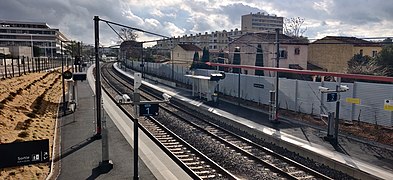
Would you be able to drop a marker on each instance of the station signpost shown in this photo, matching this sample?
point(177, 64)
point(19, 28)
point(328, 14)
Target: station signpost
point(146, 108)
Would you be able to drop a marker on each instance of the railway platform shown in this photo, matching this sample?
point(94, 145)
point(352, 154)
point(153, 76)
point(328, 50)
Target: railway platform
point(351, 156)
point(81, 153)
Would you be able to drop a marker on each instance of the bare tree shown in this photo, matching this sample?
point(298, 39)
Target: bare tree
point(293, 27)
point(127, 34)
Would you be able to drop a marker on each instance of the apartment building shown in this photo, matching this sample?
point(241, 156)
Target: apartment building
point(29, 34)
point(293, 53)
point(260, 22)
point(214, 41)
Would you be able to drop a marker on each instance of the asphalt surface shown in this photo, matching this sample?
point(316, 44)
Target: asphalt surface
point(81, 153)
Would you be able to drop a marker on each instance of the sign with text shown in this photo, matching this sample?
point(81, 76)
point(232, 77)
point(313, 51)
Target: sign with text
point(259, 86)
point(388, 105)
point(24, 153)
point(353, 100)
point(148, 109)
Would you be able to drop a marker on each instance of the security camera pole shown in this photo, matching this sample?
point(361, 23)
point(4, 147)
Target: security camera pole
point(146, 108)
point(333, 95)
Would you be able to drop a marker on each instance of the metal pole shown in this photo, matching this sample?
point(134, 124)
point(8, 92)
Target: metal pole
point(337, 116)
point(18, 65)
point(24, 62)
point(98, 83)
point(62, 79)
point(31, 44)
point(5, 67)
point(136, 126)
point(28, 64)
point(238, 88)
point(276, 87)
point(173, 74)
point(12, 66)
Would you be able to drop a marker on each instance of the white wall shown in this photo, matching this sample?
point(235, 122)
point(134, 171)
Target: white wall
point(296, 95)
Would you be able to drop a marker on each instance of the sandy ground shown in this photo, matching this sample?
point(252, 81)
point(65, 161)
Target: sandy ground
point(28, 107)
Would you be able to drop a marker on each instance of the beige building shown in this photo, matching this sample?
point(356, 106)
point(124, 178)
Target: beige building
point(184, 54)
point(333, 52)
point(260, 22)
point(214, 41)
point(293, 54)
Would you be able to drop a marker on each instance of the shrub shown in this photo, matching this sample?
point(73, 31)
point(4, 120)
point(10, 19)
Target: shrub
point(23, 134)
point(13, 94)
point(31, 115)
point(10, 98)
point(19, 91)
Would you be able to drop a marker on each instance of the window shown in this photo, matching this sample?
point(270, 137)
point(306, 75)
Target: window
point(361, 52)
point(283, 54)
point(177, 54)
point(374, 54)
point(297, 51)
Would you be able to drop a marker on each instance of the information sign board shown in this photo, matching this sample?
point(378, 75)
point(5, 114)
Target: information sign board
point(388, 105)
point(353, 100)
point(332, 97)
point(24, 153)
point(148, 109)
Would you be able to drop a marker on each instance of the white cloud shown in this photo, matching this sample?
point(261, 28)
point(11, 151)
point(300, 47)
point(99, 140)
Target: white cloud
point(180, 17)
point(173, 29)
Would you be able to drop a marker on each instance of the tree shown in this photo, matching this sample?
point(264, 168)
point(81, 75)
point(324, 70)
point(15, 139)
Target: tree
point(236, 60)
point(205, 55)
point(360, 64)
point(259, 60)
point(127, 34)
point(71, 48)
point(384, 60)
point(293, 27)
point(195, 61)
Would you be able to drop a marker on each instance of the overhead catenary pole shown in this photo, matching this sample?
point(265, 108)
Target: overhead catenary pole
point(277, 73)
point(98, 84)
point(105, 165)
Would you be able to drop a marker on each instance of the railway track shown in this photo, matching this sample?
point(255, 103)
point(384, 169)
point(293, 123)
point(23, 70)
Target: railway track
point(197, 163)
point(256, 161)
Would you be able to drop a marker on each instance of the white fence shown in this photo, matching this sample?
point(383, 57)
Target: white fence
point(296, 95)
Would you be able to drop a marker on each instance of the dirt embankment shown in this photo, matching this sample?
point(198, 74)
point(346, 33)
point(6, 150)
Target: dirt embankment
point(28, 107)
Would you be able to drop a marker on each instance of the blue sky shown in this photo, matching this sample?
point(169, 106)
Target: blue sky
point(360, 18)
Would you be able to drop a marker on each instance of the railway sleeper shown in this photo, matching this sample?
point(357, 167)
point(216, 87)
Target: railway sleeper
point(191, 160)
point(174, 146)
point(180, 156)
point(177, 153)
point(164, 138)
point(307, 177)
point(170, 143)
point(199, 173)
point(194, 163)
point(196, 167)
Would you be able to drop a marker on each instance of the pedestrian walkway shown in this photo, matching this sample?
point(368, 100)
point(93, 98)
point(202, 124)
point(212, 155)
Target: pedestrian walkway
point(81, 153)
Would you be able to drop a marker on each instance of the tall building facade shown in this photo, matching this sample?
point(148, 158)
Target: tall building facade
point(215, 41)
point(259, 22)
point(39, 34)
